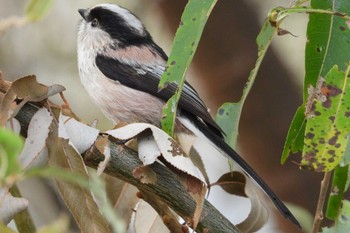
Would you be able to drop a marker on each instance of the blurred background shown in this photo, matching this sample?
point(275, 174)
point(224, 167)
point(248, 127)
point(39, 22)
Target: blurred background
point(226, 54)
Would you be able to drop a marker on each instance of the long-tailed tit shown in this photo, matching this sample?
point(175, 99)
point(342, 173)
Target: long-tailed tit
point(120, 67)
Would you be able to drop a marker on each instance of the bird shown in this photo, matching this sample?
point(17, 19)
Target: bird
point(120, 67)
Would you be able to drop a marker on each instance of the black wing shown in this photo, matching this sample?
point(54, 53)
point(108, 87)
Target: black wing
point(146, 78)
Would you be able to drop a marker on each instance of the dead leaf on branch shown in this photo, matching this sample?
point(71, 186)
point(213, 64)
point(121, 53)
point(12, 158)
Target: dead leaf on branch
point(20, 92)
point(152, 143)
point(123, 196)
point(160, 144)
point(233, 183)
point(78, 199)
point(147, 220)
point(10, 206)
point(236, 183)
point(34, 152)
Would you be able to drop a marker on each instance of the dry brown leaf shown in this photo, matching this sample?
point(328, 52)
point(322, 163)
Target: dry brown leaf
point(23, 90)
point(10, 206)
point(147, 220)
point(123, 196)
point(102, 144)
point(34, 152)
point(79, 200)
point(197, 189)
point(153, 142)
point(159, 143)
point(198, 162)
point(233, 182)
point(237, 184)
point(81, 137)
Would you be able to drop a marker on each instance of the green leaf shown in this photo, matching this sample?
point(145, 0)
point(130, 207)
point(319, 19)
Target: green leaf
point(5, 229)
point(10, 146)
point(328, 125)
point(328, 41)
point(227, 118)
point(23, 219)
point(295, 137)
point(342, 223)
point(327, 45)
point(98, 188)
point(228, 114)
point(185, 44)
point(37, 9)
point(340, 179)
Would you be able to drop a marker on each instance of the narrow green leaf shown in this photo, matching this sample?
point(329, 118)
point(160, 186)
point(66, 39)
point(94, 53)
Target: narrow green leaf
point(227, 118)
point(37, 9)
point(23, 219)
point(328, 44)
point(98, 188)
point(342, 223)
point(11, 145)
point(340, 178)
point(5, 229)
point(185, 44)
point(328, 124)
point(328, 41)
point(228, 114)
point(295, 137)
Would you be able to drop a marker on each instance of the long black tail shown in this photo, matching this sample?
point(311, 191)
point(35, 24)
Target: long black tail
point(220, 144)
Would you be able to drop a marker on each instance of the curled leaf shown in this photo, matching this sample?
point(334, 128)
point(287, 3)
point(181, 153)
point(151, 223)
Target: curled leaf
point(10, 206)
point(81, 137)
point(234, 183)
point(34, 151)
point(160, 144)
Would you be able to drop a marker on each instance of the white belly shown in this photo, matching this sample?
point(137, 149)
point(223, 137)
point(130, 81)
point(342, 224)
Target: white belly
point(118, 102)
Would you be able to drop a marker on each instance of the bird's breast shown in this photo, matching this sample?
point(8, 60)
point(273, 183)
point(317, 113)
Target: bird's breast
point(118, 102)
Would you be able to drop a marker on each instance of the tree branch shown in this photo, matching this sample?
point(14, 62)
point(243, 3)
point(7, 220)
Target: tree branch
point(167, 187)
point(321, 200)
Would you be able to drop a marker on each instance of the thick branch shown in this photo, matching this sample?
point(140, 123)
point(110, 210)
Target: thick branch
point(167, 187)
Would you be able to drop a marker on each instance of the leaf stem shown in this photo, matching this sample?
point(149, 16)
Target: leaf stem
point(23, 219)
point(320, 204)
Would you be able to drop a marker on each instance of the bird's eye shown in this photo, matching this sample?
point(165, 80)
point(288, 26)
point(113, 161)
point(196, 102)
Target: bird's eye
point(94, 22)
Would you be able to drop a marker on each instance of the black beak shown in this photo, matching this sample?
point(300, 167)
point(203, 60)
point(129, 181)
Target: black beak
point(84, 13)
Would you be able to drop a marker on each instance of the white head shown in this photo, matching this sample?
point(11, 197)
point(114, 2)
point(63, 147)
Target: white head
point(110, 25)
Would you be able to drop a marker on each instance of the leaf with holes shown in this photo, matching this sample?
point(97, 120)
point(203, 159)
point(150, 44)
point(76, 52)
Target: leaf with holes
point(328, 40)
point(185, 44)
point(328, 125)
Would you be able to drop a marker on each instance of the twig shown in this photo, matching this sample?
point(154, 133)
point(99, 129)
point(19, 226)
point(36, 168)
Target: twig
point(167, 188)
point(321, 200)
point(23, 219)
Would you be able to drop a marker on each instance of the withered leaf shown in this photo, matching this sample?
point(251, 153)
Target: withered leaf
point(78, 199)
point(233, 182)
point(10, 206)
point(147, 220)
point(23, 90)
point(34, 149)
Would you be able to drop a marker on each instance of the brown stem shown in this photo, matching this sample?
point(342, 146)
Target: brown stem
point(321, 200)
point(23, 219)
point(168, 188)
